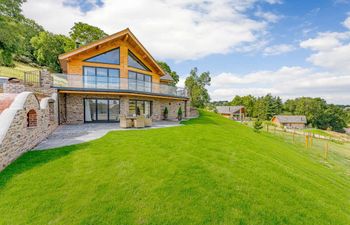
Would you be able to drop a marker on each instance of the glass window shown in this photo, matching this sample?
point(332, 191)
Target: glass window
point(104, 78)
point(114, 109)
point(140, 82)
point(90, 110)
point(110, 57)
point(140, 107)
point(133, 61)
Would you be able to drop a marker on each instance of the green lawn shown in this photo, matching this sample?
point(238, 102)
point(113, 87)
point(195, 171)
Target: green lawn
point(317, 131)
point(211, 171)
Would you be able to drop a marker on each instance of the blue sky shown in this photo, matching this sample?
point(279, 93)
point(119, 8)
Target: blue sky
point(289, 48)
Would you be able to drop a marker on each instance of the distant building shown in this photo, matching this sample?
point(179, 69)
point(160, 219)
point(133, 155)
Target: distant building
point(290, 121)
point(232, 112)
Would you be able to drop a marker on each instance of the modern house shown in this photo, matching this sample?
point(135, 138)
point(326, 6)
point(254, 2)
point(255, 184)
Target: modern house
point(290, 121)
point(115, 76)
point(232, 112)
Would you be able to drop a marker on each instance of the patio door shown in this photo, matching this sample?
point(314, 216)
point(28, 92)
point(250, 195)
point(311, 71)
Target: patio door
point(101, 110)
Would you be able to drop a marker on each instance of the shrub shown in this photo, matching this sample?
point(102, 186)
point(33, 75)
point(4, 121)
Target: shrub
point(257, 125)
point(165, 113)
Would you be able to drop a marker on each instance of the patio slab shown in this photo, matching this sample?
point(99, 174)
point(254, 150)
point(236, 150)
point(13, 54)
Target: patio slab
point(66, 135)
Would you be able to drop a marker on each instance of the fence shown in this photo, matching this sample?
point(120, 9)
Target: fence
point(32, 78)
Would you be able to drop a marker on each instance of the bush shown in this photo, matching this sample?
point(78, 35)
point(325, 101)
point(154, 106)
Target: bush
point(179, 114)
point(165, 113)
point(258, 125)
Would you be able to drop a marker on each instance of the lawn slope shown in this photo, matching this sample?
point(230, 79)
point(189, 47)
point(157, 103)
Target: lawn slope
point(211, 171)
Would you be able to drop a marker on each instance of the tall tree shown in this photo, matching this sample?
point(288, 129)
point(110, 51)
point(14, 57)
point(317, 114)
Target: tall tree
point(168, 70)
point(196, 87)
point(48, 46)
point(83, 33)
point(10, 39)
point(11, 8)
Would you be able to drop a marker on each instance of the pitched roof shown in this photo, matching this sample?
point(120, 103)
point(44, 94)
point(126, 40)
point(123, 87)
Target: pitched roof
point(228, 109)
point(125, 34)
point(167, 77)
point(291, 119)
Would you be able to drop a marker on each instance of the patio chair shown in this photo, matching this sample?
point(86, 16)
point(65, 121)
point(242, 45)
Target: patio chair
point(139, 122)
point(148, 122)
point(124, 122)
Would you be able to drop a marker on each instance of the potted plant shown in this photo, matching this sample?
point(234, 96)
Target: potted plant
point(179, 114)
point(165, 113)
point(138, 111)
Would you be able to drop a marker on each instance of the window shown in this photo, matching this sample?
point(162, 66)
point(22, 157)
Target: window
point(101, 110)
point(140, 107)
point(31, 118)
point(140, 82)
point(98, 77)
point(110, 57)
point(133, 61)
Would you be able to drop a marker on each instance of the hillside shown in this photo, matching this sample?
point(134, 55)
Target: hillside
point(210, 171)
point(16, 71)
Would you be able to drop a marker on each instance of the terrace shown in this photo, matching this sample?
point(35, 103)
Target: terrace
point(115, 84)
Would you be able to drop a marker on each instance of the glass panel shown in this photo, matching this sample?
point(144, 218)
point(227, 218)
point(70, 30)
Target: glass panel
point(132, 80)
point(148, 108)
point(102, 78)
point(102, 109)
point(113, 79)
point(114, 110)
point(133, 61)
point(89, 77)
point(140, 110)
point(111, 57)
point(90, 110)
point(132, 107)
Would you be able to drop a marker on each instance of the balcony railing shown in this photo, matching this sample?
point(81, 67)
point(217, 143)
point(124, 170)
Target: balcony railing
point(69, 81)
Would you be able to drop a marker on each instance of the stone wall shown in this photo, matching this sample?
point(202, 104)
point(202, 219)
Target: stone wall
point(16, 137)
point(71, 106)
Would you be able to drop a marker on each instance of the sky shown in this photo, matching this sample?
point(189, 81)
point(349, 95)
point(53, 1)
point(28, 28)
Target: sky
point(289, 48)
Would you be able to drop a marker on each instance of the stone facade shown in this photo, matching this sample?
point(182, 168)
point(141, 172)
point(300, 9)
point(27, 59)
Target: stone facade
point(71, 106)
point(24, 124)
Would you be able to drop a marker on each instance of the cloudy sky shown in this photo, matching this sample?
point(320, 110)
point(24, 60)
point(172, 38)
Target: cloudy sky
point(288, 48)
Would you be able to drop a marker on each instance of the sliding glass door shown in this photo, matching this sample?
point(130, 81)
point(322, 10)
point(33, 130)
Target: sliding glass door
point(101, 110)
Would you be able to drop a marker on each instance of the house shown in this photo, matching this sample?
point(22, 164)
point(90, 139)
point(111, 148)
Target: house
point(232, 112)
point(290, 121)
point(115, 76)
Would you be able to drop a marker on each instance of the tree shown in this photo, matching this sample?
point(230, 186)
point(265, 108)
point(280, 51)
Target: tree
point(196, 87)
point(10, 39)
point(247, 101)
point(47, 48)
point(258, 125)
point(83, 33)
point(168, 70)
point(11, 8)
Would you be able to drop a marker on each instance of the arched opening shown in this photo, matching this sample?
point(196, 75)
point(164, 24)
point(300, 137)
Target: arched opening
point(32, 118)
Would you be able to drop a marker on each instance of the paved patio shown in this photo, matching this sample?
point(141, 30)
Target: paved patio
point(74, 134)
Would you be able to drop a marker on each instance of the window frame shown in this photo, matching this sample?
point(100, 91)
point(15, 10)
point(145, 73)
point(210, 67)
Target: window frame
point(136, 80)
point(95, 77)
point(96, 110)
point(85, 60)
point(143, 103)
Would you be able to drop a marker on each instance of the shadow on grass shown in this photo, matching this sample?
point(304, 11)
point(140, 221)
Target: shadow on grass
point(32, 159)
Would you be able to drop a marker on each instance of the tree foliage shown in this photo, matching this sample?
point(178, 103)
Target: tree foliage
point(196, 87)
point(84, 33)
point(48, 46)
point(168, 70)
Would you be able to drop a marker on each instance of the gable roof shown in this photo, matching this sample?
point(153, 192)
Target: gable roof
point(125, 35)
point(229, 109)
point(291, 119)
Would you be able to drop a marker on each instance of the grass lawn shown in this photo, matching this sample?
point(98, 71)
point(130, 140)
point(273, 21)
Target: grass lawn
point(211, 171)
point(317, 131)
point(16, 71)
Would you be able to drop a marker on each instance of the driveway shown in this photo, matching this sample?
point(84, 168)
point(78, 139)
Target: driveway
point(74, 134)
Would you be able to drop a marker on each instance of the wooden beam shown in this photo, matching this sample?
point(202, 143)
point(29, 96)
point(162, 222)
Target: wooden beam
point(126, 37)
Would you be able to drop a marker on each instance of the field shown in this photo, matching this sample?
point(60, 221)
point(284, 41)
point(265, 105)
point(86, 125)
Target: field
point(210, 171)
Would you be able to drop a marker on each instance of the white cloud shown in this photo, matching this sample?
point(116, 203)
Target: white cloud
point(170, 29)
point(268, 16)
point(278, 49)
point(347, 23)
point(287, 82)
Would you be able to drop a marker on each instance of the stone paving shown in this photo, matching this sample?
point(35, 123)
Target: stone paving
point(74, 134)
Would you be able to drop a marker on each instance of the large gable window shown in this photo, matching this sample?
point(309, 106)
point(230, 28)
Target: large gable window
point(110, 57)
point(133, 61)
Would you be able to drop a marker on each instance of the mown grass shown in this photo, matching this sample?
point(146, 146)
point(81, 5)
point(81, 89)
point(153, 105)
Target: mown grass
point(211, 171)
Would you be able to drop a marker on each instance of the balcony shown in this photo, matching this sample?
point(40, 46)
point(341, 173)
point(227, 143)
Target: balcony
point(115, 84)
